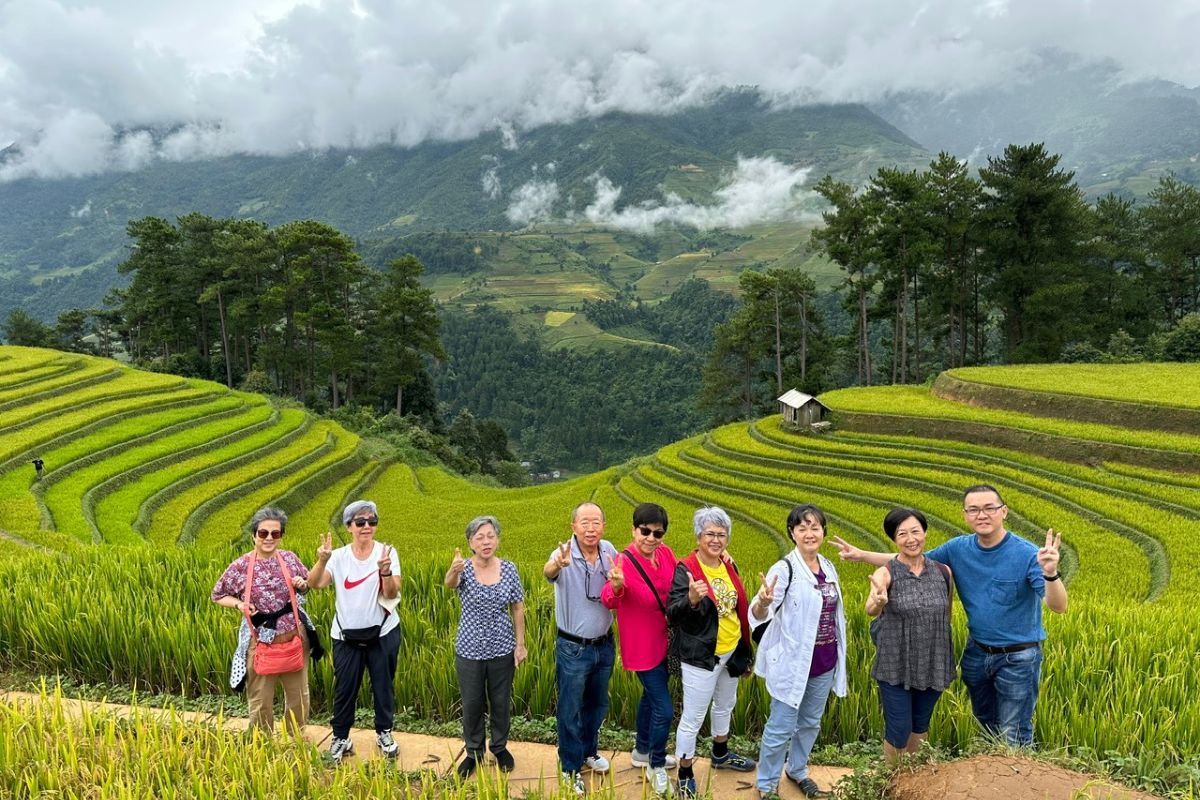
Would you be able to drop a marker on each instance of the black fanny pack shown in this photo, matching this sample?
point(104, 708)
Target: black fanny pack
point(362, 638)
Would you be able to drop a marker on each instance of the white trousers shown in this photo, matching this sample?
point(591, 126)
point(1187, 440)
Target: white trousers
point(703, 688)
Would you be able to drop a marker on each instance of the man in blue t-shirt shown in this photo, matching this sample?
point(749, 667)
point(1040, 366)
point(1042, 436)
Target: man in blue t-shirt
point(1002, 581)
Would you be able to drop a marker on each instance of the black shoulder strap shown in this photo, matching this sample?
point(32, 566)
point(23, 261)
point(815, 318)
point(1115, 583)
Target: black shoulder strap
point(662, 606)
point(787, 562)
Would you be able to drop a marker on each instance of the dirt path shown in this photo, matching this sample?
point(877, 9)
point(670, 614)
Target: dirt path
point(537, 764)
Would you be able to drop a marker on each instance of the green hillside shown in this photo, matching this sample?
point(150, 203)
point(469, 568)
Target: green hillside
point(150, 477)
point(74, 229)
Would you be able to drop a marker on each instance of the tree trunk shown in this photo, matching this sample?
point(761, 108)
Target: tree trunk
point(803, 339)
point(399, 400)
point(778, 346)
point(225, 354)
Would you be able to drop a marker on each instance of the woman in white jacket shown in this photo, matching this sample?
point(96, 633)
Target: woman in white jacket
point(803, 652)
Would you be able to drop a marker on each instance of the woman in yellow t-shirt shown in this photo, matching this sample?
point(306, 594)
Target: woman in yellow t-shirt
point(709, 605)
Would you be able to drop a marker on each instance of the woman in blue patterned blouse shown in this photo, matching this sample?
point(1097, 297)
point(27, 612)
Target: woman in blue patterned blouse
point(490, 643)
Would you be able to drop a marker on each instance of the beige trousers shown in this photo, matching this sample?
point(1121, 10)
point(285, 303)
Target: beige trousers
point(260, 695)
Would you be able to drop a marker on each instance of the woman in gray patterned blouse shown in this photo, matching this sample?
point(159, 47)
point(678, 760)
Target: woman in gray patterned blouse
point(914, 659)
point(490, 643)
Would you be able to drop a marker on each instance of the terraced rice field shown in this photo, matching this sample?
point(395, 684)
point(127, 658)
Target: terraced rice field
point(168, 470)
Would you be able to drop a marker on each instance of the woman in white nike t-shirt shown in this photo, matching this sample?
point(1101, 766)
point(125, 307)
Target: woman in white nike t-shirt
point(366, 635)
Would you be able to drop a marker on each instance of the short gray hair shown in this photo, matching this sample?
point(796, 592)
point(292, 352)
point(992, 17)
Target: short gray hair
point(474, 525)
point(264, 514)
point(712, 515)
point(575, 510)
point(357, 506)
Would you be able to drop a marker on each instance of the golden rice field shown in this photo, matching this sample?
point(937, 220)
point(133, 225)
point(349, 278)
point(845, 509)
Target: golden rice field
point(107, 562)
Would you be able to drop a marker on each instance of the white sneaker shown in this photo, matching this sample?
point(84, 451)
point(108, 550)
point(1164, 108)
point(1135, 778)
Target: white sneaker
point(597, 763)
point(574, 782)
point(643, 760)
point(658, 779)
point(386, 743)
point(339, 749)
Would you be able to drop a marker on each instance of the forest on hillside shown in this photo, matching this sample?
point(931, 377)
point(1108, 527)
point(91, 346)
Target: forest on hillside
point(939, 269)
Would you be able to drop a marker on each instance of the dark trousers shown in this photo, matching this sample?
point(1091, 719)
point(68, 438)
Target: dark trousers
point(654, 715)
point(486, 685)
point(349, 664)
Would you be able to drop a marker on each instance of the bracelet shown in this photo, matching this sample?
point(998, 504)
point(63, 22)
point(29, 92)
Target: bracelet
point(1051, 578)
point(385, 574)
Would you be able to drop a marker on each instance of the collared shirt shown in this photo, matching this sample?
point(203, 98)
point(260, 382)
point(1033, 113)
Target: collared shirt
point(785, 654)
point(575, 586)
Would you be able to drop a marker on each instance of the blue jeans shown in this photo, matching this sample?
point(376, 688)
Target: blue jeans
point(905, 711)
point(655, 712)
point(1004, 690)
point(582, 673)
point(799, 726)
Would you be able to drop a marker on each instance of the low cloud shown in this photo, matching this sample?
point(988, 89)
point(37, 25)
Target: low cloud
point(757, 190)
point(82, 85)
point(532, 202)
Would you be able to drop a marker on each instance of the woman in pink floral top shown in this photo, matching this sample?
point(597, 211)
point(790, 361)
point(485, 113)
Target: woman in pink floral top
point(271, 612)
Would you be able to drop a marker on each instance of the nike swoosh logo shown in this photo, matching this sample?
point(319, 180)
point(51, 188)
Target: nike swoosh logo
point(349, 584)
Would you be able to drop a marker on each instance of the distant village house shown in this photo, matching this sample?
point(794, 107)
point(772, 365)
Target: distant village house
point(801, 409)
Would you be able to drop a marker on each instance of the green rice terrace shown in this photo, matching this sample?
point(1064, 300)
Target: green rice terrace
point(108, 560)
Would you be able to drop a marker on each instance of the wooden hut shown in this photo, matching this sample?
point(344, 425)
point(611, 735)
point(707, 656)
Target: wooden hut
point(801, 409)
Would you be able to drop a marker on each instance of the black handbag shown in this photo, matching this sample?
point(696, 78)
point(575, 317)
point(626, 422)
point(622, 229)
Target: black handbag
point(674, 663)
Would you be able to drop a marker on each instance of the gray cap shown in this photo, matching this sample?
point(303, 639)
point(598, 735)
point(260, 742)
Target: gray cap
point(356, 507)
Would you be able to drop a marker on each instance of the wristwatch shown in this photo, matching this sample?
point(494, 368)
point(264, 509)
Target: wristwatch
point(1052, 578)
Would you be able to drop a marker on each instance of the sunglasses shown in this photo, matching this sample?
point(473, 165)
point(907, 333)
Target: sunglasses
point(657, 533)
point(263, 533)
point(362, 522)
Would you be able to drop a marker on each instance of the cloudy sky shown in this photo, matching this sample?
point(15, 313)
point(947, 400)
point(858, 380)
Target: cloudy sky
point(79, 80)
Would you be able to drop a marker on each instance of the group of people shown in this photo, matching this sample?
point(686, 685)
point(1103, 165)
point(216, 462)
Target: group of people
point(692, 615)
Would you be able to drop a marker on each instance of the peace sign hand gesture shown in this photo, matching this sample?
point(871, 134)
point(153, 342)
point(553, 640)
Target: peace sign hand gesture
point(616, 575)
point(846, 551)
point(385, 563)
point(563, 556)
point(766, 595)
point(1048, 555)
point(696, 590)
point(458, 564)
point(879, 593)
point(325, 548)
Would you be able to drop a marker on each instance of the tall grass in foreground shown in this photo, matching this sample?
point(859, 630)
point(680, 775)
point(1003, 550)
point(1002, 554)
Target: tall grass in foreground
point(1117, 678)
point(49, 749)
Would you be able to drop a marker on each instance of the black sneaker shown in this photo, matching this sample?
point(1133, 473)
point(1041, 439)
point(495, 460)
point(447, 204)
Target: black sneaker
point(504, 760)
point(808, 787)
point(733, 761)
point(466, 767)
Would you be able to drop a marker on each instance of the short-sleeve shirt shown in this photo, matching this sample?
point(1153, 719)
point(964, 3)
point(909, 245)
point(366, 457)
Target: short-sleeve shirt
point(485, 628)
point(729, 627)
point(269, 592)
point(1001, 587)
point(356, 590)
point(577, 607)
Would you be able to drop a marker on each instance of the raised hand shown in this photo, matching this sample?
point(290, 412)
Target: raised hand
point(616, 574)
point(1048, 555)
point(846, 551)
point(385, 563)
point(459, 563)
point(563, 556)
point(696, 590)
point(766, 595)
point(325, 548)
point(879, 593)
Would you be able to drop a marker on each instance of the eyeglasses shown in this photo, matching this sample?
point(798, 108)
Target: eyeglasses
point(975, 511)
point(263, 533)
point(362, 522)
point(715, 535)
point(646, 530)
point(601, 579)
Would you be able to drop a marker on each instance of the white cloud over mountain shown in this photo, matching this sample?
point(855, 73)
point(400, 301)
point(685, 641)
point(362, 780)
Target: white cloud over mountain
point(80, 81)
